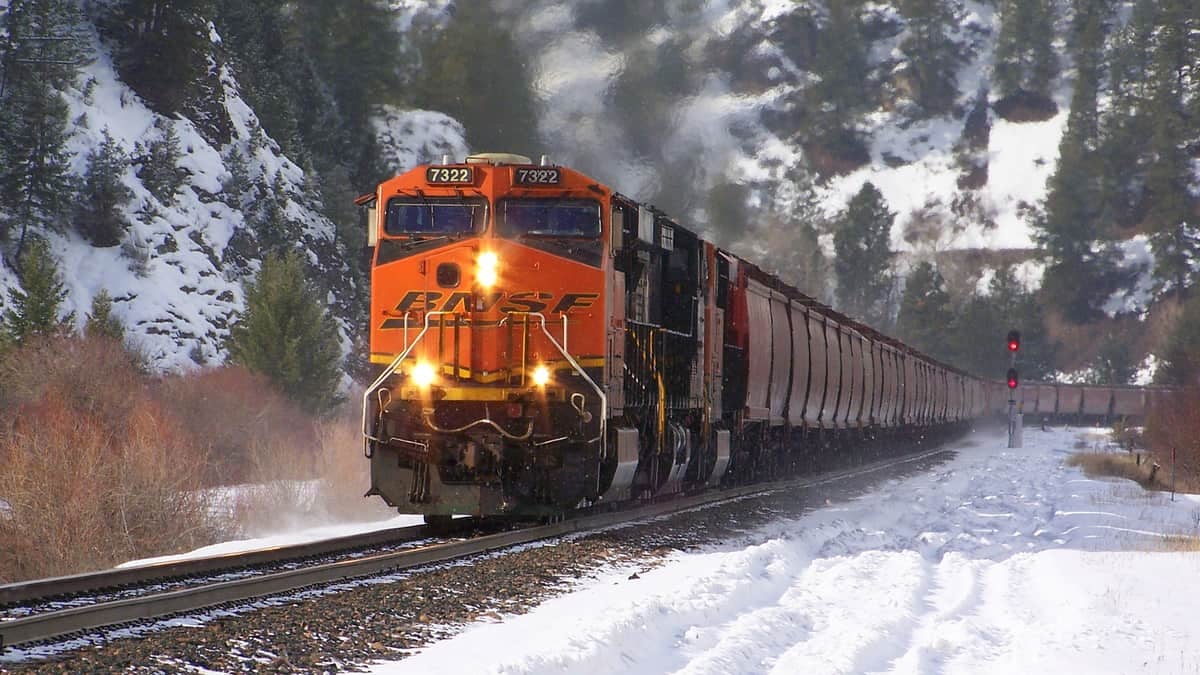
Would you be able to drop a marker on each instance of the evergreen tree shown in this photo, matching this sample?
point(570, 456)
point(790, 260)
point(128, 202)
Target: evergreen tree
point(1083, 13)
point(1025, 59)
point(275, 232)
point(501, 113)
point(1016, 308)
point(840, 63)
point(934, 56)
point(42, 48)
point(1113, 363)
point(1072, 208)
point(160, 47)
point(925, 313)
point(159, 164)
point(1079, 286)
point(101, 322)
point(862, 244)
point(1073, 195)
point(1175, 232)
point(255, 34)
point(100, 217)
point(1124, 128)
point(34, 309)
point(286, 335)
point(973, 340)
point(238, 184)
point(978, 329)
point(841, 60)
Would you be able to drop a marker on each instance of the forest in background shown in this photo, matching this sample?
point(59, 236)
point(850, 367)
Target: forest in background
point(316, 72)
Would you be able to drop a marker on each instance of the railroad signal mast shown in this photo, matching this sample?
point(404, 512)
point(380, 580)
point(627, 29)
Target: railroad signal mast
point(1013, 381)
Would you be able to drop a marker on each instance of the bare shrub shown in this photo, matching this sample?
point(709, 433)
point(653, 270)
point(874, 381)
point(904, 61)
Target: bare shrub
point(1173, 431)
point(93, 372)
point(95, 472)
point(232, 410)
point(1118, 466)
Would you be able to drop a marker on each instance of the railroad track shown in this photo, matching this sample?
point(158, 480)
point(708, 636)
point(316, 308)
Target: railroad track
point(56, 623)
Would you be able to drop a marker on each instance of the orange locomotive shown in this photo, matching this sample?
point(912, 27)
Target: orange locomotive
point(496, 312)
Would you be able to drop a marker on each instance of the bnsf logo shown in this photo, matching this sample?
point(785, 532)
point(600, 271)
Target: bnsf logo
point(522, 301)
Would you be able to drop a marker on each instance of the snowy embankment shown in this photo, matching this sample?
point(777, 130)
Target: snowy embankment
point(996, 561)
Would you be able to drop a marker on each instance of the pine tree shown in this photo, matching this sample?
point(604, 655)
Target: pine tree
point(42, 49)
point(934, 56)
point(286, 335)
point(1018, 308)
point(160, 48)
point(925, 312)
point(862, 244)
point(100, 216)
point(973, 340)
point(1114, 363)
point(840, 63)
point(1072, 212)
point(159, 164)
point(1175, 235)
point(502, 113)
point(1025, 59)
point(275, 232)
point(101, 322)
point(238, 184)
point(1082, 14)
point(34, 309)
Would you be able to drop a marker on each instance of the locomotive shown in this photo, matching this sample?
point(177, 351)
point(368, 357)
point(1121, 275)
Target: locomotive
point(547, 343)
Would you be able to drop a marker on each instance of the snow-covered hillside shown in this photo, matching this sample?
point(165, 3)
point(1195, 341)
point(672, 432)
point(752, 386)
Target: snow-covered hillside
point(176, 280)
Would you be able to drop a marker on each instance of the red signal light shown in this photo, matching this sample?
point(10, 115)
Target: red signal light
point(1012, 378)
point(1014, 340)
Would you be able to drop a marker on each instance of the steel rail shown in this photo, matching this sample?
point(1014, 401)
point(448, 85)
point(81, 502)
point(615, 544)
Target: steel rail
point(76, 584)
point(50, 625)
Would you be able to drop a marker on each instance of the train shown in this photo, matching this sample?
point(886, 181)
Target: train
point(545, 343)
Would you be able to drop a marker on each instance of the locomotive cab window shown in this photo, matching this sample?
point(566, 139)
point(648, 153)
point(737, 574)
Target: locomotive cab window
point(434, 216)
point(572, 218)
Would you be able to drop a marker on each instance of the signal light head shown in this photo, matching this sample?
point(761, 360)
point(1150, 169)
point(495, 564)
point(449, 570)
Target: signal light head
point(1014, 340)
point(1012, 378)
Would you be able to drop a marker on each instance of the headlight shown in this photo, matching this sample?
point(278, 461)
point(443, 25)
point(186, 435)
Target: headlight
point(422, 374)
point(541, 376)
point(487, 268)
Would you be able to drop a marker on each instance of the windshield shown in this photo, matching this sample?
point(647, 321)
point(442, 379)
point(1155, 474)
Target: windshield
point(550, 218)
point(434, 215)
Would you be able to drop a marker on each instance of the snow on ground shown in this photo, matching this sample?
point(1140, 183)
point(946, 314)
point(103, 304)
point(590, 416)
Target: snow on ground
point(1000, 560)
point(280, 539)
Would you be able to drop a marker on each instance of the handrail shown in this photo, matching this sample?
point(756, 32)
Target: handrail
point(387, 372)
point(395, 365)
